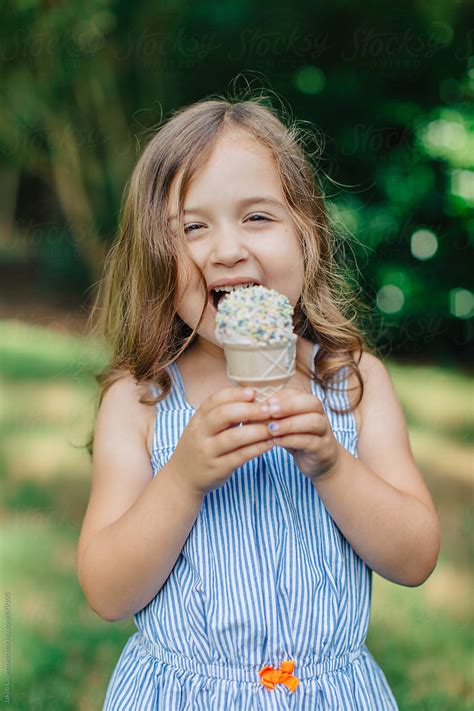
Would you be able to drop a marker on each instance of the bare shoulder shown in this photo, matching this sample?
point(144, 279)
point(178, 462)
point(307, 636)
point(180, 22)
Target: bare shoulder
point(125, 390)
point(121, 466)
point(384, 443)
point(378, 386)
point(122, 401)
point(371, 365)
point(371, 369)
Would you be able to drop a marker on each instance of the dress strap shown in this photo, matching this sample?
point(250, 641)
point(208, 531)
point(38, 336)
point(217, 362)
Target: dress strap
point(176, 399)
point(180, 393)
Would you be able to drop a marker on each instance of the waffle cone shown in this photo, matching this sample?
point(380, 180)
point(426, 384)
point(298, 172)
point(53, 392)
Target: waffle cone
point(266, 369)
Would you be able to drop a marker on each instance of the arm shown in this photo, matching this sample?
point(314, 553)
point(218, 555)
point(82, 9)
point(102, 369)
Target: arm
point(379, 501)
point(135, 526)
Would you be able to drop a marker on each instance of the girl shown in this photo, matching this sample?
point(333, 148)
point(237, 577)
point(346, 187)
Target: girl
point(242, 536)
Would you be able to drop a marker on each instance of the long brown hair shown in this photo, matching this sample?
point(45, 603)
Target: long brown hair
point(136, 298)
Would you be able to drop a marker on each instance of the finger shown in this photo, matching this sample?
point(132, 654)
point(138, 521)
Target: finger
point(292, 402)
point(298, 441)
point(226, 395)
point(238, 437)
point(238, 457)
point(311, 423)
point(231, 413)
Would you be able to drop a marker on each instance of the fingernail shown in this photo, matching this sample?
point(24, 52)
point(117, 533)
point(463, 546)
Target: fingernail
point(275, 408)
point(248, 392)
point(273, 426)
point(265, 408)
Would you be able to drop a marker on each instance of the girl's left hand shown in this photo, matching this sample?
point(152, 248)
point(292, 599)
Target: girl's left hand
point(304, 431)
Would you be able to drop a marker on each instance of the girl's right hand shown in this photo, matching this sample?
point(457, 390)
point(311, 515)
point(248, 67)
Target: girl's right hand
point(211, 448)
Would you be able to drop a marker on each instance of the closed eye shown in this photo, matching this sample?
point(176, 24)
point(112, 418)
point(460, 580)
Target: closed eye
point(188, 228)
point(262, 217)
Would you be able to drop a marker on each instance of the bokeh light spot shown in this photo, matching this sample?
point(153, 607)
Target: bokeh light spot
point(462, 184)
point(390, 299)
point(310, 80)
point(461, 303)
point(423, 244)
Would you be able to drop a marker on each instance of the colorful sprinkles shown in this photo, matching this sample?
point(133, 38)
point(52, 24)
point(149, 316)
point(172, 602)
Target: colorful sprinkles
point(254, 314)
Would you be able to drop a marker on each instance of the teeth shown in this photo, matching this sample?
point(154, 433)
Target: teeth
point(229, 288)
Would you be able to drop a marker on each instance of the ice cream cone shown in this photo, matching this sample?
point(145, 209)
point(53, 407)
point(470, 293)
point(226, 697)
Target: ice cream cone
point(265, 368)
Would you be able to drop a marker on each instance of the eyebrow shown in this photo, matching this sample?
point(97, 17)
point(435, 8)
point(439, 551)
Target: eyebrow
point(260, 199)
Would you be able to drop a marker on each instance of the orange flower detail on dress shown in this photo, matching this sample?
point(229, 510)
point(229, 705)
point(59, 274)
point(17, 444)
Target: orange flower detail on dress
point(271, 676)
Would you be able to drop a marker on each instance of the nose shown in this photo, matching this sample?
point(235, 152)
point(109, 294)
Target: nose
point(228, 247)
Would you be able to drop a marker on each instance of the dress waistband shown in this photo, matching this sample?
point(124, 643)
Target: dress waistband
point(248, 674)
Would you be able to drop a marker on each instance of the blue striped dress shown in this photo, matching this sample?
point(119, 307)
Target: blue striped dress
point(265, 576)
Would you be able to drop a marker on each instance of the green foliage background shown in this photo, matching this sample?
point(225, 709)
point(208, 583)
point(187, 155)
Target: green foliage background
point(388, 91)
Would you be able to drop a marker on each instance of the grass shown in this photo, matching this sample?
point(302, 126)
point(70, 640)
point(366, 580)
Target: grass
point(62, 654)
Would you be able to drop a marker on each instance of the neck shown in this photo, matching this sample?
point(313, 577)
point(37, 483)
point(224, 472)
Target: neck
point(209, 351)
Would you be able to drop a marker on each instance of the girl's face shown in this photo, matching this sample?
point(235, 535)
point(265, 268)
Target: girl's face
point(236, 228)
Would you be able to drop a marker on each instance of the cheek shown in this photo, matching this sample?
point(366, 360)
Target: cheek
point(292, 272)
point(187, 276)
point(191, 298)
point(292, 255)
point(292, 244)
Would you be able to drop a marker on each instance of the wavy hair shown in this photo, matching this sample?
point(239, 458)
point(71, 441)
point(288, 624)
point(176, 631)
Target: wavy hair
point(136, 299)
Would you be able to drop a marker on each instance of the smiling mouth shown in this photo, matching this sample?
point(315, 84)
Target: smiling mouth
point(216, 296)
